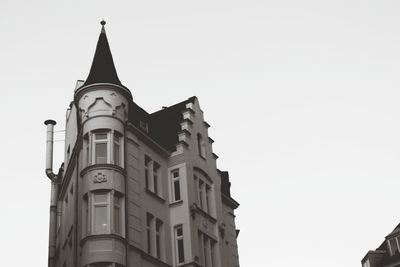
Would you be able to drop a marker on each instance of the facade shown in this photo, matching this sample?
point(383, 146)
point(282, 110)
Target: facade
point(137, 189)
point(387, 254)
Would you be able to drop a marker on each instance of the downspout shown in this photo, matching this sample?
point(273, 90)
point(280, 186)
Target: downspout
point(54, 192)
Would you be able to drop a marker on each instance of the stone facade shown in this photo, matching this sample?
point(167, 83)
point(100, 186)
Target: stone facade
point(139, 189)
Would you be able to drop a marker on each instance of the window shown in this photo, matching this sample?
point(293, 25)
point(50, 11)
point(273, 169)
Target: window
point(366, 263)
point(176, 187)
point(117, 149)
point(201, 186)
point(201, 146)
point(101, 148)
point(147, 161)
point(101, 212)
point(204, 195)
point(149, 224)
point(156, 170)
point(106, 214)
point(152, 175)
point(179, 246)
point(154, 235)
point(206, 250)
point(86, 149)
point(394, 244)
point(159, 224)
point(85, 215)
point(117, 214)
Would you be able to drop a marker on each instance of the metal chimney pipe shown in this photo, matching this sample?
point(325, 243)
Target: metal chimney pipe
point(49, 148)
point(54, 192)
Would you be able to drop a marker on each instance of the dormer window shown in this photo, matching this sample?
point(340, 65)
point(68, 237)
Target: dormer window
point(394, 245)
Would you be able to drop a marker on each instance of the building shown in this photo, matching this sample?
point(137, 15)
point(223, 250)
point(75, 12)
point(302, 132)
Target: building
point(136, 189)
point(387, 254)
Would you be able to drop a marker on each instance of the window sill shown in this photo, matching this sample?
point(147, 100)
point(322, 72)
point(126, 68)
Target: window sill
point(102, 166)
point(99, 236)
point(154, 195)
point(176, 203)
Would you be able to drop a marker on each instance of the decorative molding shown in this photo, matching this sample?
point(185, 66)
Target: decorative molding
point(99, 178)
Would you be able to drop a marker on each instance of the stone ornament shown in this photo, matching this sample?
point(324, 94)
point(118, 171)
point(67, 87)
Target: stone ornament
point(100, 178)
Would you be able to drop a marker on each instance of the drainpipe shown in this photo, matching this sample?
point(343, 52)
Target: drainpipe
point(54, 192)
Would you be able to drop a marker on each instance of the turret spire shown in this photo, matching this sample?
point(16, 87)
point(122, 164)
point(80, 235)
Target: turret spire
point(103, 69)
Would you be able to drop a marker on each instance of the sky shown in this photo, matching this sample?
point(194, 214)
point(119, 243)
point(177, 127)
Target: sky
point(302, 97)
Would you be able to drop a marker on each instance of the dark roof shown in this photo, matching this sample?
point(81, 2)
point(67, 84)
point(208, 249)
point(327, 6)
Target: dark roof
point(386, 258)
point(164, 125)
point(225, 183)
point(103, 69)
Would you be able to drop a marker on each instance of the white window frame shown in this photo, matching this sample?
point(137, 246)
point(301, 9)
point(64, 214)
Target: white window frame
point(206, 250)
point(149, 232)
point(117, 142)
point(113, 139)
point(111, 205)
point(174, 180)
point(177, 239)
point(204, 195)
point(159, 253)
point(152, 173)
point(96, 141)
point(95, 204)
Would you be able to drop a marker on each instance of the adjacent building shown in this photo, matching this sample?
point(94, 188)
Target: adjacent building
point(387, 254)
point(137, 189)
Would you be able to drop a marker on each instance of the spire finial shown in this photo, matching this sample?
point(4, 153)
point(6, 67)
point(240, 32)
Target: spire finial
point(103, 22)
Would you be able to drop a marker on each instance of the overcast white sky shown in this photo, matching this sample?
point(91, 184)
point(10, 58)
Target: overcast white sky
point(302, 97)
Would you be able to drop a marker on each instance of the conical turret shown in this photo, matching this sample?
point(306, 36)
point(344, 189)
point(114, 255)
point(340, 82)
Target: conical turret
point(103, 68)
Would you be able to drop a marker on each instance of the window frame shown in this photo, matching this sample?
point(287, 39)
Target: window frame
point(153, 176)
point(113, 140)
point(178, 239)
point(175, 180)
point(111, 205)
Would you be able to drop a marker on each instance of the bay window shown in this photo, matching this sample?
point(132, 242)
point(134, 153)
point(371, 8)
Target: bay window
point(100, 148)
point(103, 212)
point(105, 147)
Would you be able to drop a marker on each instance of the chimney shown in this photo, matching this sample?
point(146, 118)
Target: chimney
point(49, 148)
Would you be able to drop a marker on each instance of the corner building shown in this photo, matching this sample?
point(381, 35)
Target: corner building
point(387, 254)
point(137, 189)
